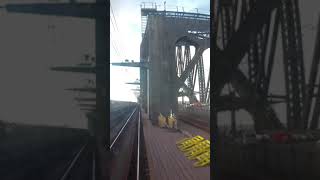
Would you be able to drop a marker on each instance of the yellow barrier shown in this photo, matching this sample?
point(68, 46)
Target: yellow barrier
point(203, 160)
point(196, 148)
point(189, 143)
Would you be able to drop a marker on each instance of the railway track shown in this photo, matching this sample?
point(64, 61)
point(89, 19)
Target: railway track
point(118, 124)
point(194, 121)
point(128, 158)
point(69, 154)
point(39, 153)
point(82, 165)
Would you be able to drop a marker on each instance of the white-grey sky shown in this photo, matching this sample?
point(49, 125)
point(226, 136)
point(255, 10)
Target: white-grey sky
point(127, 39)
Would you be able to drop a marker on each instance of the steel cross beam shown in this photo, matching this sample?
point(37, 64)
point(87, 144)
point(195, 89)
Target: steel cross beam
point(133, 83)
point(88, 109)
point(79, 69)
point(90, 90)
point(263, 114)
point(230, 57)
point(133, 64)
point(228, 60)
point(191, 65)
point(188, 91)
point(81, 10)
point(86, 99)
point(182, 63)
point(227, 102)
point(88, 105)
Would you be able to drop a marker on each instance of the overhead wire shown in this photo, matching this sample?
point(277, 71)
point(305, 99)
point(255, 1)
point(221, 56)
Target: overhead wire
point(114, 17)
point(116, 30)
point(114, 45)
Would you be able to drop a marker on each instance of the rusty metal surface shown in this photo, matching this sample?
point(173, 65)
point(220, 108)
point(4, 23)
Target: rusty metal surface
point(166, 161)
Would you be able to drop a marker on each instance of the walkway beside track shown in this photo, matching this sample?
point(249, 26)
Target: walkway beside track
point(165, 160)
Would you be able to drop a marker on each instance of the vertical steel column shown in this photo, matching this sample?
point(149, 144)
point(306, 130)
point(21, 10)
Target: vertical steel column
point(312, 83)
point(180, 63)
point(207, 93)
point(227, 14)
point(187, 59)
point(202, 87)
point(293, 63)
point(273, 45)
point(179, 60)
point(102, 137)
point(233, 118)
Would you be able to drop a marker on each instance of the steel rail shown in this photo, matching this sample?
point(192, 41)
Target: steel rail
point(120, 132)
point(73, 162)
point(138, 152)
point(93, 166)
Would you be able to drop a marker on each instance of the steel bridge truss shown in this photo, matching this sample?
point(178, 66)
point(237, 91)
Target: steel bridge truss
point(183, 59)
point(246, 33)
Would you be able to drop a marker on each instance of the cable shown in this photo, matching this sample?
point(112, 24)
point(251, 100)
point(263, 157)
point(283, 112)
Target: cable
point(115, 49)
point(113, 24)
point(115, 27)
point(115, 44)
point(114, 17)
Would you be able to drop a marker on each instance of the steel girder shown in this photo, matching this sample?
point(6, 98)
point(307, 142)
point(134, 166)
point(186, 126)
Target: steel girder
point(312, 84)
point(191, 64)
point(293, 63)
point(230, 57)
point(90, 90)
point(187, 59)
point(228, 102)
point(79, 69)
point(273, 42)
point(263, 114)
point(202, 82)
point(179, 60)
point(207, 92)
point(259, 75)
point(188, 68)
point(81, 10)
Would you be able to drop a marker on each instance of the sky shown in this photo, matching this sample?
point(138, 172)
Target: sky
point(125, 32)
